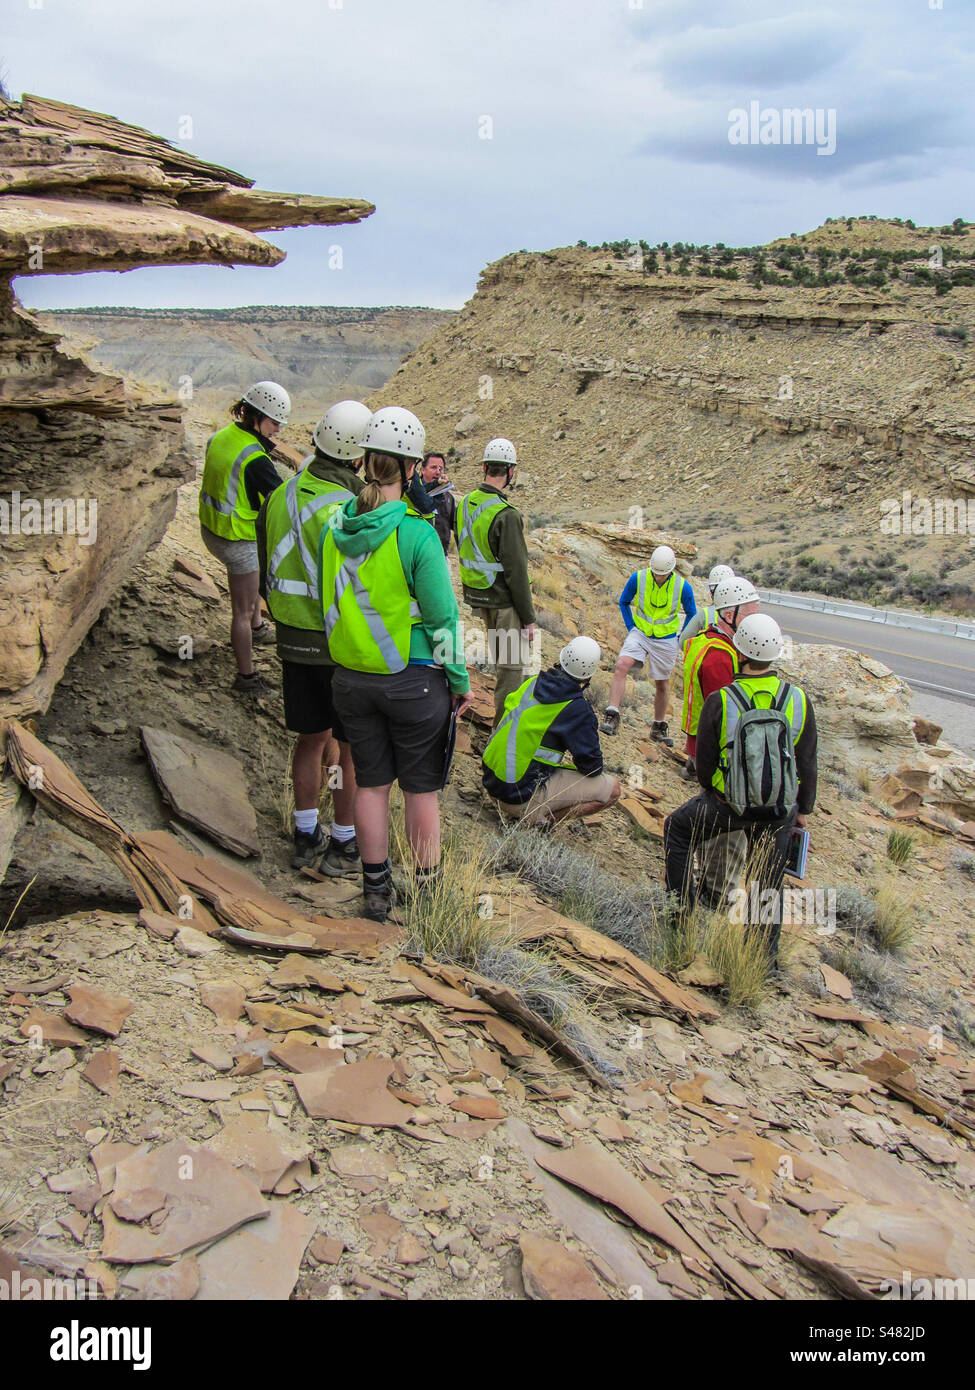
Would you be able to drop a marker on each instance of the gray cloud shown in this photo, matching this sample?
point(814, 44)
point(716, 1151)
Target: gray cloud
point(769, 54)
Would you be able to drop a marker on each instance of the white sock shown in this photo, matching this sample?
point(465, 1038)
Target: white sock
point(612, 709)
point(305, 821)
point(342, 833)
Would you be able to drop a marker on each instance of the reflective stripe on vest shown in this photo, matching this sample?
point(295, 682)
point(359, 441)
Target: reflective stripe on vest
point(477, 569)
point(342, 642)
point(661, 619)
point(501, 756)
point(697, 649)
point(224, 506)
point(295, 539)
point(794, 709)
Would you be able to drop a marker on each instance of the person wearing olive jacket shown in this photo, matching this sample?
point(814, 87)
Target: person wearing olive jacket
point(756, 687)
point(494, 571)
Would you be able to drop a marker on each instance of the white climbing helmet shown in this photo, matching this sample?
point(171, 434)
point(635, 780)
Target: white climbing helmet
point(732, 593)
point(270, 399)
point(580, 658)
point(394, 430)
point(500, 451)
point(340, 429)
point(759, 637)
point(718, 573)
point(663, 560)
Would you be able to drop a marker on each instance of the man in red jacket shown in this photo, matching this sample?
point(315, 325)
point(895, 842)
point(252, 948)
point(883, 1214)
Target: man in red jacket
point(710, 663)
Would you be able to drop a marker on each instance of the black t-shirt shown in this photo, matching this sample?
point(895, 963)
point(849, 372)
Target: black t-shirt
point(260, 475)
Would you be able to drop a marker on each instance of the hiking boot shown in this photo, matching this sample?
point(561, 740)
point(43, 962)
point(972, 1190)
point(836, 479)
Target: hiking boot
point(659, 734)
point(688, 771)
point(378, 903)
point(307, 848)
point(341, 858)
point(610, 722)
point(252, 685)
point(262, 634)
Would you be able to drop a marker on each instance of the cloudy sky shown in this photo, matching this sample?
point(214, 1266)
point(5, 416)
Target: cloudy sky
point(608, 119)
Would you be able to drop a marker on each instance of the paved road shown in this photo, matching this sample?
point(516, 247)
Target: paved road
point(939, 669)
point(926, 660)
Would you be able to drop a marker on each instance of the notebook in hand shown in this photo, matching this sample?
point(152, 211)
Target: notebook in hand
point(798, 853)
point(449, 748)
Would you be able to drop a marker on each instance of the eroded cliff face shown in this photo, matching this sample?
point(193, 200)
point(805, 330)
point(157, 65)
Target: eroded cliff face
point(89, 465)
point(616, 383)
point(319, 354)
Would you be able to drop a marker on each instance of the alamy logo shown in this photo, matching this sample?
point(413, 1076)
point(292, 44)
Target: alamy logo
point(78, 1343)
point(52, 516)
point(27, 1289)
point(788, 125)
point(927, 1290)
point(789, 907)
point(927, 516)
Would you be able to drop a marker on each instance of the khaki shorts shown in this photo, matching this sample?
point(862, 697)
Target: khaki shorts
point(240, 557)
point(660, 653)
point(564, 788)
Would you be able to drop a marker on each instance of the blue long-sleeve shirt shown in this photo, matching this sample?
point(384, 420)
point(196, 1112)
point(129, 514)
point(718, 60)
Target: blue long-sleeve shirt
point(629, 594)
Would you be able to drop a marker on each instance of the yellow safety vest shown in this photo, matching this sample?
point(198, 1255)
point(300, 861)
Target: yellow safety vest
point(759, 689)
point(368, 609)
point(224, 506)
point(479, 567)
point(294, 517)
point(517, 741)
point(656, 608)
point(697, 649)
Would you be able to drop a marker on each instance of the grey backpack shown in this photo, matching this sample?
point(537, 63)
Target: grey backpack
point(760, 782)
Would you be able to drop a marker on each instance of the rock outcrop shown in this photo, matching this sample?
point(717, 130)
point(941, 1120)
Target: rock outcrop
point(89, 466)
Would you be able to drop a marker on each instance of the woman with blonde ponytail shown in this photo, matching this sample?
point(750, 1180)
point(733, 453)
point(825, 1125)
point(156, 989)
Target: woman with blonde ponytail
point(393, 631)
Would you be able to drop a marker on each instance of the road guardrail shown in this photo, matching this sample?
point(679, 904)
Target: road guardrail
point(862, 612)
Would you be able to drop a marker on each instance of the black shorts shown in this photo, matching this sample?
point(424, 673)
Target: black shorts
point(396, 725)
point(308, 707)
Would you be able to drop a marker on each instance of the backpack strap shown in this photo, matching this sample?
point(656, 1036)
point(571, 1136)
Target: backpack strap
point(782, 699)
point(737, 704)
point(741, 697)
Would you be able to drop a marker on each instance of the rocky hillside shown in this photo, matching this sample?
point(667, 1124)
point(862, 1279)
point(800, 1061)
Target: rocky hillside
point(732, 393)
point(603, 1117)
point(319, 354)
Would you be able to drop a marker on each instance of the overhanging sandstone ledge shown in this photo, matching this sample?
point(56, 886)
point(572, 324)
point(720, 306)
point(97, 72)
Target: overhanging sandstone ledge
point(260, 211)
point(40, 236)
point(82, 191)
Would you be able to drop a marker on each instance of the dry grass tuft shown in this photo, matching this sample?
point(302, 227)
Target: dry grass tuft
point(460, 920)
point(740, 956)
point(900, 846)
point(895, 917)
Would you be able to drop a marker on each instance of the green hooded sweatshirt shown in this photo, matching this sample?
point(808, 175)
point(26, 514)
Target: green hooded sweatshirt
point(427, 577)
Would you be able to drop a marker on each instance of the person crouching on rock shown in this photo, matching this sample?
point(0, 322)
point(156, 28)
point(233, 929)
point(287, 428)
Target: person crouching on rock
point(544, 718)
